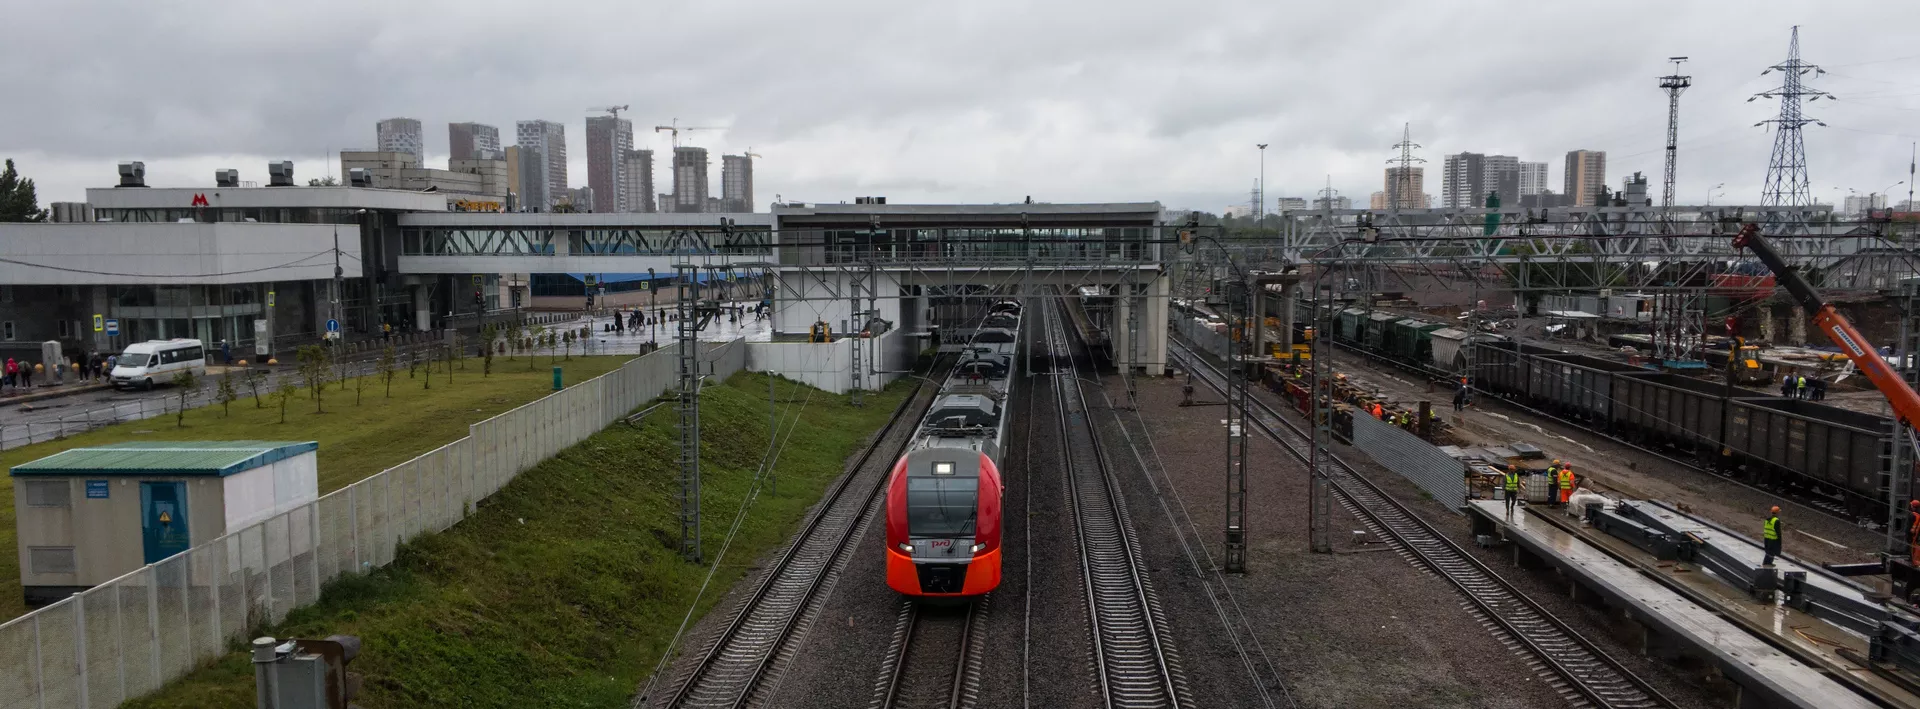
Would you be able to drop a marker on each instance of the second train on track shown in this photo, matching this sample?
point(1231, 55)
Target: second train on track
point(944, 495)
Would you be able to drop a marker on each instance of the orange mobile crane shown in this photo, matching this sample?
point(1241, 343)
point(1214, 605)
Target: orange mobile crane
point(1900, 395)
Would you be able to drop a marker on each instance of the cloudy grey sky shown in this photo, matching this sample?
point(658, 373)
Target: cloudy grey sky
point(974, 101)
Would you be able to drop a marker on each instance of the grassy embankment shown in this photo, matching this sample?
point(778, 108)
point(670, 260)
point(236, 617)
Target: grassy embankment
point(356, 440)
point(566, 586)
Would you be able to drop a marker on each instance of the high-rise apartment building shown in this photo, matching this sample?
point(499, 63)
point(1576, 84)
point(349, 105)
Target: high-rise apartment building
point(513, 175)
point(1586, 174)
point(1859, 204)
point(609, 139)
point(689, 179)
point(543, 163)
point(736, 183)
point(401, 135)
point(1461, 176)
point(640, 181)
point(1469, 177)
point(1377, 201)
point(473, 141)
point(1405, 188)
point(1501, 176)
point(1533, 178)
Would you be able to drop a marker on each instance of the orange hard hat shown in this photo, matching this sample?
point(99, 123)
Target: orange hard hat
point(1556, 461)
point(1510, 466)
point(1776, 509)
point(1913, 503)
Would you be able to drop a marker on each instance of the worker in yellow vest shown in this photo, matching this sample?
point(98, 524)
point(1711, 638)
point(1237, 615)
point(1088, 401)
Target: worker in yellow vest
point(1770, 535)
point(1512, 487)
point(1566, 483)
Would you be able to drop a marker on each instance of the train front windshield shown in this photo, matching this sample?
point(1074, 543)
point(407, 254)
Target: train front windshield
point(941, 508)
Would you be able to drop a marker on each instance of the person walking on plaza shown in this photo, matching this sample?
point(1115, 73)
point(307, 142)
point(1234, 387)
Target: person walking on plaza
point(13, 372)
point(1770, 536)
point(1512, 487)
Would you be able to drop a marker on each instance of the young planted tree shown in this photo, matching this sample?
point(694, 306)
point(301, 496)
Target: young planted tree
point(449, 353)
point(458, 351)
point(254, 379)
point(512, 334)
point(186, 384)
point(226, 393)
point(427, 370)
point(388, 368)
point(282, 394)
point(569, 342)
point(359, 388)
point(313, 373)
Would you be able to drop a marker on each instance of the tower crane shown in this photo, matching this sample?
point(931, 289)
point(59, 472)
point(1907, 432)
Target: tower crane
point(674, 128)
point(614, 110)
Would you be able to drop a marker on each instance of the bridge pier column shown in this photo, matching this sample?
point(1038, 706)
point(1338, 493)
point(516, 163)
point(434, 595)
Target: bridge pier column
point(422, 308)
point(1153, 325)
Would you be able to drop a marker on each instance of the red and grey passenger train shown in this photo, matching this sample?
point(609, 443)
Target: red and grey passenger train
point(943, 497)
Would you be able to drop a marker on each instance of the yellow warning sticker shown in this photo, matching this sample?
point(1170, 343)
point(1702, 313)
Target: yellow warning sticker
point(165, 518)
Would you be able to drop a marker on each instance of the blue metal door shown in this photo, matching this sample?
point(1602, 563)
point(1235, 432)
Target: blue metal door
point(163, 519)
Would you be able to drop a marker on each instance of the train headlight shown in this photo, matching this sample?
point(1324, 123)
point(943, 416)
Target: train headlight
point(908, 548)
point(977, 548)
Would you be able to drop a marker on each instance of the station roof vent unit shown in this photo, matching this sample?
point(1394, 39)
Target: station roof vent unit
point(133, 174)
point(358, 177)
point(226, 177)
point(280, 173)
point(869, 200)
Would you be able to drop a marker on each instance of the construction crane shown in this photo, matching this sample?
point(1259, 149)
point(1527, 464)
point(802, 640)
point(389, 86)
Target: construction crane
point(1905, 402)
point(615, 110)
point(674, 128)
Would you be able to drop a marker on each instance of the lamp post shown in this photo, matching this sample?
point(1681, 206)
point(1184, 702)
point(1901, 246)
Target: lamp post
point(1713, 191)
point(1260, 213)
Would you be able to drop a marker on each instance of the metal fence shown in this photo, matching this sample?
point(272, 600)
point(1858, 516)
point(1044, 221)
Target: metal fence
point(1413, 458)
point(408, 349)
point(128, 637)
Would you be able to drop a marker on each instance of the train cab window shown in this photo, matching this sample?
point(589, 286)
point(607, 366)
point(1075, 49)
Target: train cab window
point(942, 507)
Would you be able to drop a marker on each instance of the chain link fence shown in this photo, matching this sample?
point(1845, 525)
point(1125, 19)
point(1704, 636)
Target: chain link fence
point(128, 637)
point(1413, 458)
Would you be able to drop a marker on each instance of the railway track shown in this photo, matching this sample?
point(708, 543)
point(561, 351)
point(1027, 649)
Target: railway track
point(1583, 673)
point(758, 640)
point(1133, 655)
point(937, 652)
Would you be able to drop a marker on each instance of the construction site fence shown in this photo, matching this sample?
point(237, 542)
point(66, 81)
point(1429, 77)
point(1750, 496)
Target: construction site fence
point(130, 636)
point(1413, 458)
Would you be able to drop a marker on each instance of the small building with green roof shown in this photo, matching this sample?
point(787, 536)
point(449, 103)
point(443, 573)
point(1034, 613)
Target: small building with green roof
point(88, 515)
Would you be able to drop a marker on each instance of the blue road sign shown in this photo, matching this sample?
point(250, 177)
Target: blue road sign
point(333, 325)
point(96, 489)
point(113, 327)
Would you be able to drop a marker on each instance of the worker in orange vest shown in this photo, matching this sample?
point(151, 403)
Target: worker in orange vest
point(1913, 532)
point(1566, 483)
point(1378, 412)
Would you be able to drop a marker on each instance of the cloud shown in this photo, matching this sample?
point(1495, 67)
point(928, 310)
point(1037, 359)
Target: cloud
point(981, 101)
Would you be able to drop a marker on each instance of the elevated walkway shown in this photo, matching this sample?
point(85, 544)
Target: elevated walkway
point(1668, 622)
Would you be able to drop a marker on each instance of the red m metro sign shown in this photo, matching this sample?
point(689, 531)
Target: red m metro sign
point(199, 200)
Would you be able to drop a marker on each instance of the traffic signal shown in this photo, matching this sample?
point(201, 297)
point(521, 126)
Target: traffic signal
point(479, 300)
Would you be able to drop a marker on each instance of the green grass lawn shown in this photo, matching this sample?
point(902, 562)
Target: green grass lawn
point(564, 589)
point(356, 440)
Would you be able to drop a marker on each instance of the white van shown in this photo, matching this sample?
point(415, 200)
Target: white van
point(157, 361)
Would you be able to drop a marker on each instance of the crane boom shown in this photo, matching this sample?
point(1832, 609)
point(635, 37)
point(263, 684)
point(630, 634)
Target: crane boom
point(1900, 395)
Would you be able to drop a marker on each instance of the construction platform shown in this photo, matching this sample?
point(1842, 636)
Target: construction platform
point(1670, 623)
